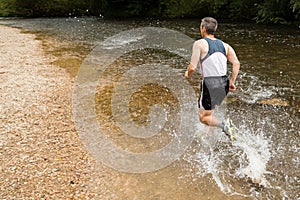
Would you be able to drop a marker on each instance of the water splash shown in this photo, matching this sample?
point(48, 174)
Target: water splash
point(256, 154)
point(256, 90)
point(231, 164)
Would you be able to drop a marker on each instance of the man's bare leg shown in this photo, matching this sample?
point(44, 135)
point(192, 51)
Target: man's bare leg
point(206, 117)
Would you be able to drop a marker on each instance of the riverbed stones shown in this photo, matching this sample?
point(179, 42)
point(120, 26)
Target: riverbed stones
point(41, 154)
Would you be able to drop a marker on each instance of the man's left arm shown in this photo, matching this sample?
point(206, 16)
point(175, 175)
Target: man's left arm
point(232, 58)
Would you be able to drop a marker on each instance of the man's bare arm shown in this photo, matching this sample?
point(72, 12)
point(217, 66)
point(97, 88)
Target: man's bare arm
point(232, 58)
point(194, 60)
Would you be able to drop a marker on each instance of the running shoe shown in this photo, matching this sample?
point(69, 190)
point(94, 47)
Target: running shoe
point(228, 130)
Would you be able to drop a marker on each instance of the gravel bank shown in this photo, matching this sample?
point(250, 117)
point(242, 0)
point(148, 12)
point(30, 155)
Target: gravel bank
point(40, 152)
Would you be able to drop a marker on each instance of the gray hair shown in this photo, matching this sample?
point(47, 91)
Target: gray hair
point(210, 25)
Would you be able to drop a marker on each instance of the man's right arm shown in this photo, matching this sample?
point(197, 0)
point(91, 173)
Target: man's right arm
point(194, 59)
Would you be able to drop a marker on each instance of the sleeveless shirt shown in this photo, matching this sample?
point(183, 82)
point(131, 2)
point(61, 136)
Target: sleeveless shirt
point(215, 62)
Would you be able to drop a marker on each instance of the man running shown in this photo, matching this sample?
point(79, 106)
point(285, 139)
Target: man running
point(213, 55)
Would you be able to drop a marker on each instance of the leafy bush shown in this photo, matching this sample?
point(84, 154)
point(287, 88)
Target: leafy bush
point(275, 11)
point(295, 6)
point(262, 11)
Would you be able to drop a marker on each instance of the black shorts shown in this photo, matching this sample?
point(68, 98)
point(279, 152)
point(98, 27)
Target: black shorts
point(213, 91)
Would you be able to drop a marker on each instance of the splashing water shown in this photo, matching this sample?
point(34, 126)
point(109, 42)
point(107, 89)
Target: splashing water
point(257, 152)
point(232, 162)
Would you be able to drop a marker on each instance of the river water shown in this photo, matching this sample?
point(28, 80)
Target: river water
point(264, 161)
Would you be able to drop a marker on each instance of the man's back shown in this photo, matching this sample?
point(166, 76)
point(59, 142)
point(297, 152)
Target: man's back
point(214, 62)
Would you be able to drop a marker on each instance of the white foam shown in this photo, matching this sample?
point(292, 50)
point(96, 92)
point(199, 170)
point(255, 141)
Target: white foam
point(117, 42)
point(247, 157)
point(256, 154)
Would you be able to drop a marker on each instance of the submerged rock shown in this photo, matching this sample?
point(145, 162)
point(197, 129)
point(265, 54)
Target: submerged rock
point(275, 102)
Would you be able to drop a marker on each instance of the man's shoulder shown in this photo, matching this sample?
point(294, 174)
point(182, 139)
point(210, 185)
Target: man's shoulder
point(226, 46)
point(200, 42)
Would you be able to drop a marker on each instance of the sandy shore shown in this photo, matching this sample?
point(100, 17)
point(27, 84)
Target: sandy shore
point(40, 152)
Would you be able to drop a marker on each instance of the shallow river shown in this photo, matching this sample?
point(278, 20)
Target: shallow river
point(264, 161)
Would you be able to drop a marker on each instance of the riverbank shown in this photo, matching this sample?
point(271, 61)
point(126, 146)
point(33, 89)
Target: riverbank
point(40, 152)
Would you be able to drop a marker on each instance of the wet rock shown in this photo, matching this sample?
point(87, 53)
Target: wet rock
point(275, 102)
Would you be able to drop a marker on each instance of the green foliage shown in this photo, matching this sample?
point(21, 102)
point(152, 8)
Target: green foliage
point(42, 8)
point(180, 8)
point(6, 8)
point(243, 9)
point(295, 6)
point(263, 11)
point(275, 11)
point(199, 8)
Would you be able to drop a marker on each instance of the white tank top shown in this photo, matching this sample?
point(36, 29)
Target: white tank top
point(215, 62)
